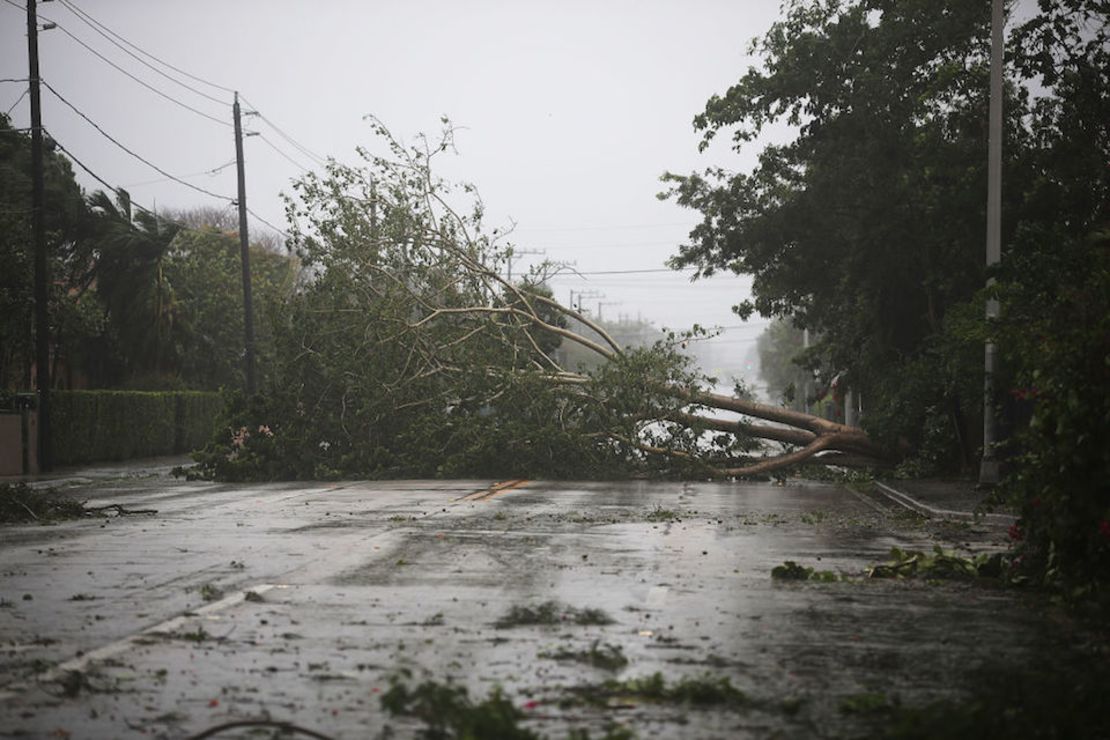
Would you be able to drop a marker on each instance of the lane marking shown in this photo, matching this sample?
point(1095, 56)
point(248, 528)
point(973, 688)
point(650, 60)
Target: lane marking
point(132, 641)
point(495, 490)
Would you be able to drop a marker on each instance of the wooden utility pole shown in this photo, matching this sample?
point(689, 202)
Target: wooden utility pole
point(244, 253)
point(988, 468)
point(38, 236)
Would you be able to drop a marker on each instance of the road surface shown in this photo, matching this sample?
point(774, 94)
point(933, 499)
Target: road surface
point(302, 602)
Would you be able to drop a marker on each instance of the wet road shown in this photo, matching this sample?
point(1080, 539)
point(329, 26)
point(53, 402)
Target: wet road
point(299, 603)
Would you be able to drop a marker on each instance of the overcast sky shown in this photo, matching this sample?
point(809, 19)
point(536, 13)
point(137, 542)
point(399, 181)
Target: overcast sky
point(571, 111)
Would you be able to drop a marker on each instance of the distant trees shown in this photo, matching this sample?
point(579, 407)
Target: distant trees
point(137, 299)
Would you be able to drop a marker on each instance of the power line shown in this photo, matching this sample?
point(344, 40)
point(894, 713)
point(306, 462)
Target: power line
point(110, 138)
point(21, 97)
point(145, 53)
point(555, 247)
point(116, 191)
point(211, 173)
point(289, 159)
point(268, 223)
point(619, 272)
point(600, 228)
point(96, 26)
point(293, 142)
point(153, 89)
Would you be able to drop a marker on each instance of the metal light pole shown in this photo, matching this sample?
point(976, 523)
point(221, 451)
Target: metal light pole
point(988, 467)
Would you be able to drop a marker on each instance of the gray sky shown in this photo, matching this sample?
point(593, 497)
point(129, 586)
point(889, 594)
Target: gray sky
point(571, 110)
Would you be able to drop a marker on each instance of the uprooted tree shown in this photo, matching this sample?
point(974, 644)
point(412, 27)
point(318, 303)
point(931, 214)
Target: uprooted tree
point(407, 353)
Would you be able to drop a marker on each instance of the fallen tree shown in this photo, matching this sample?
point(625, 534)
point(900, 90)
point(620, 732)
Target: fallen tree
point(409, 353)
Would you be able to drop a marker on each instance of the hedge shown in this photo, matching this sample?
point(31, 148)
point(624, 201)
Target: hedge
point(90, 426)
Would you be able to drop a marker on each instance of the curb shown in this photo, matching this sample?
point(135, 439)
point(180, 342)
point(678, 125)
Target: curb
point(909, 502)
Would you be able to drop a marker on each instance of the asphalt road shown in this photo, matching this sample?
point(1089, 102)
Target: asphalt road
point(300, 603)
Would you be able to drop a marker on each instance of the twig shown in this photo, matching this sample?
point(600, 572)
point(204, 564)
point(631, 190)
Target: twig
point(119, 509)
point(283, 726)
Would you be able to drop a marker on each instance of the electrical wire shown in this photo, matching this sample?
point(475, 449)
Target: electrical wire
point(87, 20)
point(620, 272)
point(293, 142)
point(110, 138)
point(555, 247)
point(21, 97)
point(15, 79)
point(211, 173)
point(117, 193)
point(268, 223)
point(148, 86)
point(73, 8)
point(600, 228)
point(289, 159)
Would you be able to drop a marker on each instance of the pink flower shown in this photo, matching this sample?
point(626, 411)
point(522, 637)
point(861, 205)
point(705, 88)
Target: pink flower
point(1104, 529)
point(264, 429)
point(239, 438)
point(1015, 532)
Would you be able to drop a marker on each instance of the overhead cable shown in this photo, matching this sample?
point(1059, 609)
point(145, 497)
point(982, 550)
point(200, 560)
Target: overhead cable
point(268, 223)
point(289, 159)
point(148, 163)
point(142, 51)
point(21, 97)
point(148, 86)
point(210, 172)
point(293, 142)
point(117, 192)
point(87, 20)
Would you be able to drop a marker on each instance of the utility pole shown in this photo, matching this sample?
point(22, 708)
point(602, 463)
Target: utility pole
point(606, 303)
point(583, 295)
point(515, 252)
point(988, 468)
point(38, 236)
point(244, 252)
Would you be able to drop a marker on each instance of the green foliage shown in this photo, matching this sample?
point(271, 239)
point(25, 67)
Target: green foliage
point(551, 613)
point(867, 228)
point(67, 227)
point(791, 571)
point(20, 504)
point(696, 691)
point(205, 269)
point(606, 657)
point(1055, 330)
point(939, 565)
point(404, 353)
point(118, 425)
point(448, 712)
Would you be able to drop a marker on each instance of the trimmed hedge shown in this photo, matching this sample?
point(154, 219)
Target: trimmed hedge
point(90, 426)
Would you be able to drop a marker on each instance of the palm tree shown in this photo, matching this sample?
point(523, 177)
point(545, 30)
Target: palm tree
point(140, 301)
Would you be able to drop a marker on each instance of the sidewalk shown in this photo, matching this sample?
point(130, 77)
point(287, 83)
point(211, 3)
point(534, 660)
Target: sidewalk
point(953, 499)
point(148, 467)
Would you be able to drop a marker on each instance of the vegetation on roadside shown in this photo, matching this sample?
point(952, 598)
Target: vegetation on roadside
point(938, 565)
point(606, 656)
point(697, 691)
point(448, 712)
point(549, 613)
point(19, 503)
